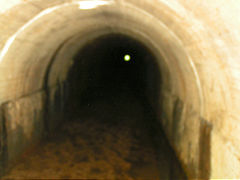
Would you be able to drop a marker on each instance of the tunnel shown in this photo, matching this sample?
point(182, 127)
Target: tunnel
point(119, 89)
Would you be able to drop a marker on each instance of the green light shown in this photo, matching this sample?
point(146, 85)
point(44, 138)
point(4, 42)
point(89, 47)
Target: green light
point(127, 57)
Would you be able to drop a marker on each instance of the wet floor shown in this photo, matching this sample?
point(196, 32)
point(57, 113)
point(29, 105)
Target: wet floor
point(113, 137)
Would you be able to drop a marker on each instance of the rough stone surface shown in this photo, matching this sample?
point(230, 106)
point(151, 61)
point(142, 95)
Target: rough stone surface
point(23, 123)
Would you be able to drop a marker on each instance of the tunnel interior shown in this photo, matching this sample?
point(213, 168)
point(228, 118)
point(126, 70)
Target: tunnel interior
point(109, 126)
point(66, 85)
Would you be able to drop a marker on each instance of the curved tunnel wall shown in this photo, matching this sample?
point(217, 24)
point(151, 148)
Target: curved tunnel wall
point(196, 44)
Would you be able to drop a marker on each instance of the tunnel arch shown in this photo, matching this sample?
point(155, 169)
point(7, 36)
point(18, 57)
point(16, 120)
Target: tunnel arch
point(28, 30)
point(192, 57)
point(175, 58)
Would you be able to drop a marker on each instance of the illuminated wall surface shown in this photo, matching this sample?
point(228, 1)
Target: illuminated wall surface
point(196, 46)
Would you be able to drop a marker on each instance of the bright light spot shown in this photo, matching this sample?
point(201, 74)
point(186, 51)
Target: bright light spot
point(127, 57)
point(92, 4)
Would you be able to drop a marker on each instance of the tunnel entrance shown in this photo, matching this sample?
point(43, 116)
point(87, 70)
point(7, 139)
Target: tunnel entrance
point(110, 129)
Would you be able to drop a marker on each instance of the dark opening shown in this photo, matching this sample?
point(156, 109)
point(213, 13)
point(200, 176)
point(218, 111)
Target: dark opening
point(100, 70)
